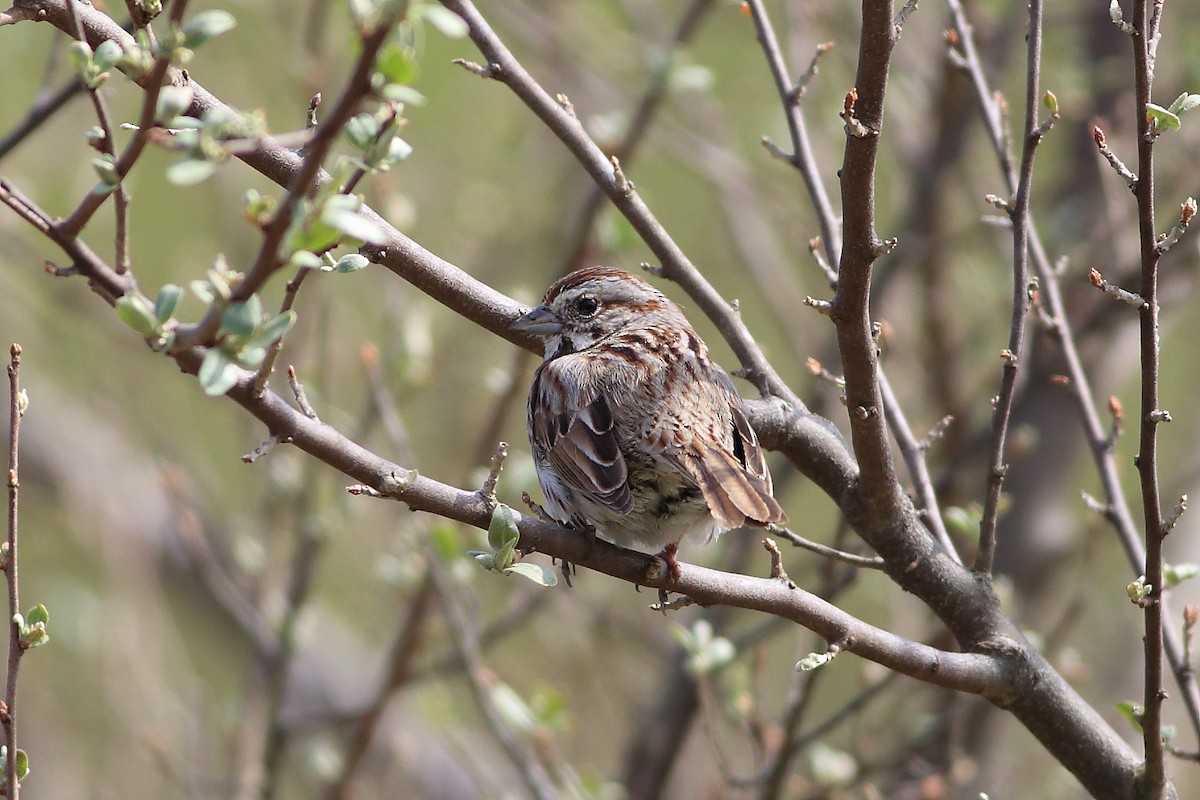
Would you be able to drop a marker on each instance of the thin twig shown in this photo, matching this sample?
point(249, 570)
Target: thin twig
point(867, 562)
point(15, 650)
point(71, 226)
point(108, 147)
point(289, 300)
point(1019, 213)
point(802, 157)
point(1154, 778)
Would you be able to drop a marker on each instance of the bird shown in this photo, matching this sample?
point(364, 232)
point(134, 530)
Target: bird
point(637, 435)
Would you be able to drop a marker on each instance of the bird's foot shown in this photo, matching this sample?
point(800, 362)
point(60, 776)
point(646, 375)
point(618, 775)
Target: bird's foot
point(667, 554)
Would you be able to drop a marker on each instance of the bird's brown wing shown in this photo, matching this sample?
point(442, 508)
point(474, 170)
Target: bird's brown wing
point(729, 466)
point(575, 435)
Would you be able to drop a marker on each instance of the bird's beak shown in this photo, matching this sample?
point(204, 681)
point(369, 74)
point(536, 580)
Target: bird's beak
point(538, 322)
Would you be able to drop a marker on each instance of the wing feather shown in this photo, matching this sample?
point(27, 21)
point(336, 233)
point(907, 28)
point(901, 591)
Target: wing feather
point(578, 442)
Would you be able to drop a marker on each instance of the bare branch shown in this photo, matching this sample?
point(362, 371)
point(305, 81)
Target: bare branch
point(1019, 214)
point(16, 648)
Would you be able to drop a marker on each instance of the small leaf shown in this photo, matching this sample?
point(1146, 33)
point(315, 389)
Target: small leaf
point(306, 259)
point(172, 102)
point(166, 301)
point(484, 558)
point(239, 319)
point(1175, 574)
point(397, 63)
point(22, 764)
point(276, 327)
point(136, 312)
point(106, 168)
point(1051, 102)
point(1184, 103)
point(80, 55)
point(190, 171)
point(812, 661)
point(1161, 118)
point(506, 555)
point(38, 614)
point(201, 27)
point(107, 54)
point(1132, 712)
point(1138, 590)
point(539, 574)
point(204, 291)
point(361, 130)
point(399, 93)
point(354, 225)
point(217, 373)
point(502, 528)
point(351, 262)
point(446, 22)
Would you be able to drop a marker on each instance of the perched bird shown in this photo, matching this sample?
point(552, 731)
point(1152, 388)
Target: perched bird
point(636, 434)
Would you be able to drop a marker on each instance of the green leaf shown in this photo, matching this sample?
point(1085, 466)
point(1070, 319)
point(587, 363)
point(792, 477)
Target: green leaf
point(397, 63)
point(106, 167)
point(351, 262)
point(251, 356)
point(275, 328)
point(206, 25)
point(963, 521)
point(812, 661)
point(1051, 102)
point(37, 614)
point(353, 225)
point(1132, 712)
point(107, 54)
point(217, 373)
point(172, 102)
point(539, 574)
point(136, 312)
point(1184, 103)
point(1175, 574)
point(399, 93)
point(485, 559)
point(204, 291)
point(190, 171)
point(446, 22)
point(22, 764)
point(361, 130)
point(1139, 590)
point(502, 528)
point(1161, 118)
point(240, 319)
point(80, 55)
point(306, 259)
point(166, 302)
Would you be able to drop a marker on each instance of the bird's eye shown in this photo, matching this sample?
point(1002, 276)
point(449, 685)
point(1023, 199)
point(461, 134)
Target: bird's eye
point(586, 306)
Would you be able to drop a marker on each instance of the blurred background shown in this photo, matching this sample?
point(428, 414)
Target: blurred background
point(222, 629)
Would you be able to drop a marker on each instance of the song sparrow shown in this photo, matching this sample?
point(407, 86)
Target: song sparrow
point(635, 432)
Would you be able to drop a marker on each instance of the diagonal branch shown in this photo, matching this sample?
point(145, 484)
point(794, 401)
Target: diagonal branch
point(676, 266)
